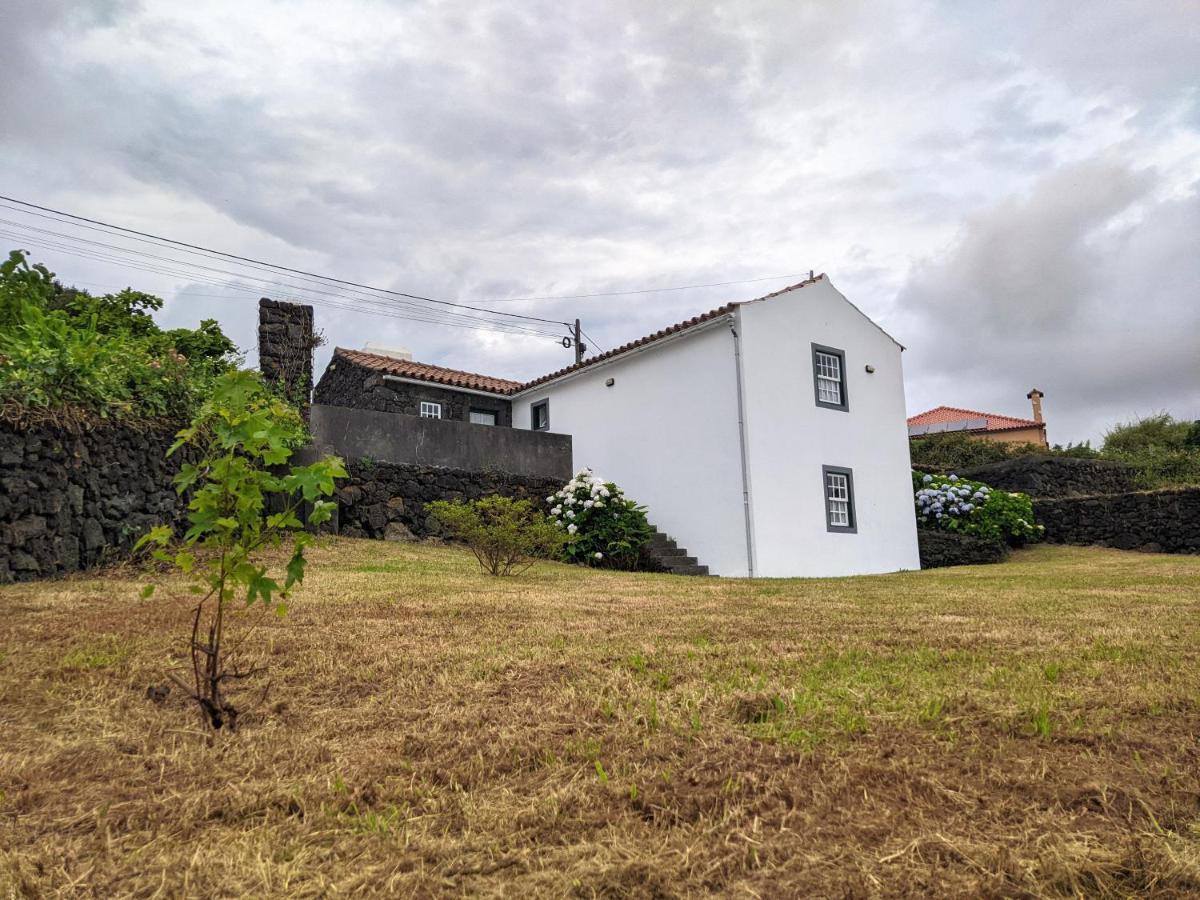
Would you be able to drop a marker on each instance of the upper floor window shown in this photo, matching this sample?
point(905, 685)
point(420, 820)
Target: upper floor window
point(430, 410)
point(483, 417)
point(839, 499)
point(539, 416)
point(829, 377)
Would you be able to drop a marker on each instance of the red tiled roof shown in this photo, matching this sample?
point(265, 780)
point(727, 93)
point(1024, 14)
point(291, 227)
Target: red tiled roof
point(995, 422)
point(424, 372)
point(455, 378)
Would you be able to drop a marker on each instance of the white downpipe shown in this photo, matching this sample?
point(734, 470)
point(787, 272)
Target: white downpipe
point(745, 453)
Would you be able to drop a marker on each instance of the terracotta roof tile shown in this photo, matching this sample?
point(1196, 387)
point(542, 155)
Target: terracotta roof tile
point(456, 378)
point(425, 372)
point(995, 422)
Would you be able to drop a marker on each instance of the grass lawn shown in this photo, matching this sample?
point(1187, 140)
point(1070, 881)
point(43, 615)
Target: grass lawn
point(1024, 729)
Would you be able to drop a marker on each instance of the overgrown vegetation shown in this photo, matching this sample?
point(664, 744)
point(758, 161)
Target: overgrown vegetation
point(1161, 450)
point(607, 530)
point(506, 535)
point(69, 356)
point(969, 507)
point(1018, 730)
point(242, 435)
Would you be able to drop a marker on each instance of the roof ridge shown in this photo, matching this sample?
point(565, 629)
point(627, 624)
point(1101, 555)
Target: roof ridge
point(976, 412)
point(416, 362)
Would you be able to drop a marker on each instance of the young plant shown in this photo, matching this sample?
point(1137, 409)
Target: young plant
point(506, 535)
point(240, 504)
point(605, 529)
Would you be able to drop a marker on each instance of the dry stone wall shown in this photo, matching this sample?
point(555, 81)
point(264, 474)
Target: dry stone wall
point(1155, 521)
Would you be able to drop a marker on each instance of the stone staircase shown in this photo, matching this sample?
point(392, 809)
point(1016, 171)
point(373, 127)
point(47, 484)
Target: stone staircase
point(664, 553)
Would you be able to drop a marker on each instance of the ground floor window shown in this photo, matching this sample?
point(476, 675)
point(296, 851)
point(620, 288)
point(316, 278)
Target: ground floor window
point(483, 417)
point(839, 499)
point(430, 410)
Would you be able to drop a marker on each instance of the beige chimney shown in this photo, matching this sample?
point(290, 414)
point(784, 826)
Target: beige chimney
point(1036, 397)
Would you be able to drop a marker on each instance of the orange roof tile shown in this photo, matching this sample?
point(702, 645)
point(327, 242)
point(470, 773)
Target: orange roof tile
point(995, 422)
point(424, 372)
point(456, 378)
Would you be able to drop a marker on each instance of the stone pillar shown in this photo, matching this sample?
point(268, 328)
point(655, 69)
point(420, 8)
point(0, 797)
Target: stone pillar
point(285, 348)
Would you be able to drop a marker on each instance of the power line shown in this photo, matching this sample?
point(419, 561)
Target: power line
point(259, 262)
point(159, 265)
point(335, 301)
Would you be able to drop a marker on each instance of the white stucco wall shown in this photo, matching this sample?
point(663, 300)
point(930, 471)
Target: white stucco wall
point(666, 432)
point(790, 438)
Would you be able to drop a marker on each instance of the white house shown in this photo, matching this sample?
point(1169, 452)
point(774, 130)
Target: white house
point(768, 437)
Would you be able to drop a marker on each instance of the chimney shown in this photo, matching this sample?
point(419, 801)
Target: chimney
point(1036, 397)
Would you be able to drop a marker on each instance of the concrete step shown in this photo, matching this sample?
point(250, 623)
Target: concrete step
point(678, 562)
point(689, 570)
point(667, 552)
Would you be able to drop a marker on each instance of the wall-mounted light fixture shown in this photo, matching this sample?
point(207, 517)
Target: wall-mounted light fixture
point(610, 382)
point(870, 370)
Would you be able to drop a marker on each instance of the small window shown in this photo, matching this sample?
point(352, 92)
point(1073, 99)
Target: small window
point(829, 377)
point(483, 417)
point(430, 410)
point(539, 416)
point(839, 499)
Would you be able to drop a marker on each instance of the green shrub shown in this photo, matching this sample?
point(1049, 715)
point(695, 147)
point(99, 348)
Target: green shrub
point(605, 529)
point(241, 435)
point(506, 535)
point(971, 507)
point(65, 352)
point(1161, 450)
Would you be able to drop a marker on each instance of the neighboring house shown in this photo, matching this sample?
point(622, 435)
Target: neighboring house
point(768, 436)
point(982, 425)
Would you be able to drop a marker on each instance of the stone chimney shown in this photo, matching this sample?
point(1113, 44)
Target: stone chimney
point(285, 348)
point(1035, 396)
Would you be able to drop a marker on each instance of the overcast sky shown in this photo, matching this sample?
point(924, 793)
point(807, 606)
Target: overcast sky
point(1011, 189)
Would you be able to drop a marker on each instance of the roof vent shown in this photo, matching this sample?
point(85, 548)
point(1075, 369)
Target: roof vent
point(390, 352)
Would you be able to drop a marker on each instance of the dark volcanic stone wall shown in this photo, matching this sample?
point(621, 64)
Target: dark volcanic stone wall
point(348, 384)
point(386, 500)
point(1054, 476)
point(70, 501)
point(945, 548)
point(1156, 521)
point(285, 347)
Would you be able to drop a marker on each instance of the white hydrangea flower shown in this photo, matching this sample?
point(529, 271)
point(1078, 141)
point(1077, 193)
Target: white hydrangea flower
point(572, 528)
point(570, 513)
point(599, 555)
point(588, 504)
point(557, 511)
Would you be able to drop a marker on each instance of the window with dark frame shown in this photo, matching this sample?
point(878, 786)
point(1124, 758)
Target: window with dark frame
point(829, 377)
point(483, 417)
point(539, 416)
point(839, 499)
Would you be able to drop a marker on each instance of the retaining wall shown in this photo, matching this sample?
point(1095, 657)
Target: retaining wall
point(387, 500)
point(1054, 476)
point(1155, 521)
point(70, 501)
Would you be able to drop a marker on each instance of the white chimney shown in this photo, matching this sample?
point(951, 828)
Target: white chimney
point(390, 352)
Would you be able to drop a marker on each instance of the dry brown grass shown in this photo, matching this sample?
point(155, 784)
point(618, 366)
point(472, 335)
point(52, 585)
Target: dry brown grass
point(1026, 729)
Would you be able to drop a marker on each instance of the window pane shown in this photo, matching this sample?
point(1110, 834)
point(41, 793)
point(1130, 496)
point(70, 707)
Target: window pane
point(829, 378)
point(483, 417)
point(431, 410)
point(837, 499)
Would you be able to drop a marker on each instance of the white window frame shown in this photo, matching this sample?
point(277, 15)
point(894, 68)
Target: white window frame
point(829, 368)
point(431, 409)
point(837, 490)
point(471, 414)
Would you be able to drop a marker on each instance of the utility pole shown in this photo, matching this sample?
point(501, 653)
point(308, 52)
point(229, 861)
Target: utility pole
point(579, 348)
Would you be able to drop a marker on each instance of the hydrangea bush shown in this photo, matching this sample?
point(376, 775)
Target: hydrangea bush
point(971, 507)
point(605, 528)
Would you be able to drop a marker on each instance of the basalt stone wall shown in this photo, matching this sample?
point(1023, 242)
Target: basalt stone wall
point(945, 548)
point(70, 501)
point(387, 500)
point(285, 347)
point(1054, 476)
point(1155, 521)
point(348, 384)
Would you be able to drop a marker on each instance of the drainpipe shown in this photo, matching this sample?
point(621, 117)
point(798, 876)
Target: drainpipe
point(741, 414)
